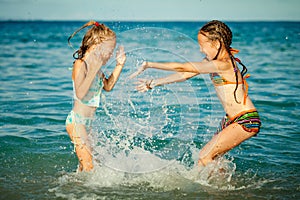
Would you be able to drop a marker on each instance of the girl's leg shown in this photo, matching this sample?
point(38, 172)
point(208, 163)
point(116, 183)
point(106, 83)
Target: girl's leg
point(79, 137)
point(227, 139)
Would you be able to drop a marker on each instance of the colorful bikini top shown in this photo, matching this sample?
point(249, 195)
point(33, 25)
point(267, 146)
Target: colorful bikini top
point(219, 80)
point(92, 98)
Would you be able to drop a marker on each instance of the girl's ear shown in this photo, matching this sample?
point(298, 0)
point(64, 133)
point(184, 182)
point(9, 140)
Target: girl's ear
point(216, 44)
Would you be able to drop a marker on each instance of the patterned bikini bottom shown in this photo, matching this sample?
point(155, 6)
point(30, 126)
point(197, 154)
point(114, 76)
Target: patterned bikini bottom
point(249, 120)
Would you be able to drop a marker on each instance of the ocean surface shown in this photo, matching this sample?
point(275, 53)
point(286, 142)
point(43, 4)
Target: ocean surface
point(146, 144)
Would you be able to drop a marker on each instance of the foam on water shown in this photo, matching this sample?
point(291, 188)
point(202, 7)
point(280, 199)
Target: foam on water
point(176, 177)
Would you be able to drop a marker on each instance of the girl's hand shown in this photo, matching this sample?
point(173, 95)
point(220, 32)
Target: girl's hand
point(142, 68)
point(144, 85)
point(120, 56)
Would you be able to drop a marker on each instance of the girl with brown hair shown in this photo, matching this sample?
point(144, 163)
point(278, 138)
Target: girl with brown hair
point(241, 121)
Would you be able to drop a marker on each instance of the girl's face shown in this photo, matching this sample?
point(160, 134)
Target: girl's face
point(108, 48)
point(208, 47)
point(104, 50)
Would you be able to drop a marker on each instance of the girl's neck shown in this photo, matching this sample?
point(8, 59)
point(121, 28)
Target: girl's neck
point(223, 55)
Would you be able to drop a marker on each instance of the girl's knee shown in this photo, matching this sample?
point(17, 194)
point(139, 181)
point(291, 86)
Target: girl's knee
point(202, 162)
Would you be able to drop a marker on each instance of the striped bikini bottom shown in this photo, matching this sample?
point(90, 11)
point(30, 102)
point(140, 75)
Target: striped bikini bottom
point(249, 120)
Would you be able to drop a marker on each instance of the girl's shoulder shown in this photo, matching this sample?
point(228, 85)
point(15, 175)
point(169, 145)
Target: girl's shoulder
point(222, 65)
point(78, 67)
point(79, 63)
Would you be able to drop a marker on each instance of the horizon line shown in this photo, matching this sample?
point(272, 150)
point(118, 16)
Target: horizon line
point(81, 20)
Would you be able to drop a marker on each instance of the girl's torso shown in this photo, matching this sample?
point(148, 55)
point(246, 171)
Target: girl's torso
point(225, 86)
point(91, 101)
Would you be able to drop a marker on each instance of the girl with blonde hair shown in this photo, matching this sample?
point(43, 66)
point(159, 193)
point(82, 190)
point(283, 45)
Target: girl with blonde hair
point(88, 80)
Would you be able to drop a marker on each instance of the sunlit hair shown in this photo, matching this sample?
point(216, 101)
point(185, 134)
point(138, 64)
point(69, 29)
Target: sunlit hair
point(97, 34)
point(218, 31)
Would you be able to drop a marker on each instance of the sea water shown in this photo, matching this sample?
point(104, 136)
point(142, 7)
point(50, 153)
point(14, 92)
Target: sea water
point(146, 145)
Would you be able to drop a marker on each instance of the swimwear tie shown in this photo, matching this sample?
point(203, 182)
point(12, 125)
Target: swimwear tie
point(246, 87)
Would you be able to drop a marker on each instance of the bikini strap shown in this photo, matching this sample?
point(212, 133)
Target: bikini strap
point(246, 87)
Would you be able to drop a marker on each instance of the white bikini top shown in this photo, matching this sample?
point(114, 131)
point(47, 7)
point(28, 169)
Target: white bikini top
point(92, 98)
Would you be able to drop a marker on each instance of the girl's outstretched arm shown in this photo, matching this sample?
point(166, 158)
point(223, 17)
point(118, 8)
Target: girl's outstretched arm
point(111, 81)
point(202, 67)
point(171, 66)
point(144, 85)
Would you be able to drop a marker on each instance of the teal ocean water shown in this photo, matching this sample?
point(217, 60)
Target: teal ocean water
point(146, 144)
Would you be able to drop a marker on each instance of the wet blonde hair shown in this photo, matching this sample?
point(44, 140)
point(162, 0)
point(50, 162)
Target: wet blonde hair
point(97, 34)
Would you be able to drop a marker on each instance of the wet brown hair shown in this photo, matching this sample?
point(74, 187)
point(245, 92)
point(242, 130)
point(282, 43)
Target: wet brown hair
point(95, 35)
point(218, 31)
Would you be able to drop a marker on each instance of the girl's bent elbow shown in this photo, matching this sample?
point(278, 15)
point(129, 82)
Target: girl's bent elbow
point(107, 89)
point(79, 96)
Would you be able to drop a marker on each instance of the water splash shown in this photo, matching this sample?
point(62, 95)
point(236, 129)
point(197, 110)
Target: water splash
point(176, 180)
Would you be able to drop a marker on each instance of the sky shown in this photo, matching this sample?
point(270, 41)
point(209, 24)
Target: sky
point(151, 10)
